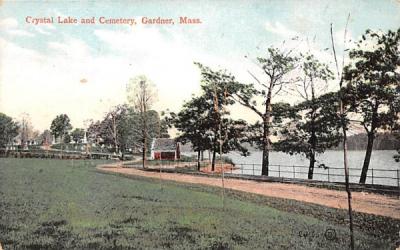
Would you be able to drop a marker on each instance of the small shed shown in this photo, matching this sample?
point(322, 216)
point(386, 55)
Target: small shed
point(165, 149)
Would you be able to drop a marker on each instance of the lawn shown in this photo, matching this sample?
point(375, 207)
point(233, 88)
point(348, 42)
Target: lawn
point(55, 204)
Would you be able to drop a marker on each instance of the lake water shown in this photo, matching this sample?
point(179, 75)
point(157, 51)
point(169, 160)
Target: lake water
point(282, 165)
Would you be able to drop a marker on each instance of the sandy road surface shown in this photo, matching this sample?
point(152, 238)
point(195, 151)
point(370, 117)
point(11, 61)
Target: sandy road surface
point(362, 202)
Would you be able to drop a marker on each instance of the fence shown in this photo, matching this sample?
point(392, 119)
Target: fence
point(375, 176)
point(387, 177)
point(164, 164)
point(55, 153)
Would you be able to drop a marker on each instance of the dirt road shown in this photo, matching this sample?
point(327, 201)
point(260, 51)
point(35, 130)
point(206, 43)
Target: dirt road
point(362, 202)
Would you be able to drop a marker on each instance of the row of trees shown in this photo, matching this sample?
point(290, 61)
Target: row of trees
point(126, 127)
point(23, 133)
point(383, 141)
point(19, 131)
point(122, 129)
point(370, 97)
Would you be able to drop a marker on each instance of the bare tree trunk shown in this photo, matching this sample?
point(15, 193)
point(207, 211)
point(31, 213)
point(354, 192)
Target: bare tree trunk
point(144, 141)
point(144, 153)
point(346, 171)
point(367, 158)
point(344, 129)
point(115, 134)
point(62, 146)
point(266, 132)
point(213, 158)
point(144, 115)
point(313, 140)
point(198, 160)
point(311, 167)
point(265, 155)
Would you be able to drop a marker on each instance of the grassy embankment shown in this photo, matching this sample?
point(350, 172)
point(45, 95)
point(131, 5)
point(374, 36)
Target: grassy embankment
point(67, 204)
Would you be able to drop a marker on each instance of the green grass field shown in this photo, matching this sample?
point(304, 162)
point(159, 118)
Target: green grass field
point(58, 204)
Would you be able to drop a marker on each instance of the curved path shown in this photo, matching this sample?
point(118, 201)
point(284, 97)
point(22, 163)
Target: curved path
point(362, 202)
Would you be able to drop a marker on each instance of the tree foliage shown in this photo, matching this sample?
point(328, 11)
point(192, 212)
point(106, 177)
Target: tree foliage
point(315, 125)
point(77, 135)
point(276, 68)
point(121, 129)
point(313, 129)
point(8, 130)
point(141, 95)
point(202, 120)
point(373, 84)
point(60, 126)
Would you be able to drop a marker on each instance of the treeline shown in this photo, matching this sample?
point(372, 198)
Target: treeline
point(383, 141)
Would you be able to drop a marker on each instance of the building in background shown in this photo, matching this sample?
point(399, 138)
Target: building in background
point(165, 149)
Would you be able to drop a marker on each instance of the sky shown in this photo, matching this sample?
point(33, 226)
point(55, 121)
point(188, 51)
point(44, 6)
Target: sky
point(82, 70)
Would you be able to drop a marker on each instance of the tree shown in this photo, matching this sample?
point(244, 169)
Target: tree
point(373, 83)
point(94, 131)
point(60, 126)
point(224, 134)
point(66, 138)
point(395, 125)
point(315, 127)
point(312, 129)
point(193, 124)
point(26, 132)
point(77, 135)
point(121, 129)
point(276, 67)
point(344, 125)
point(130, 130)
point(396, 132)
point(109, 126)
point(141, 94)
point(8, 130)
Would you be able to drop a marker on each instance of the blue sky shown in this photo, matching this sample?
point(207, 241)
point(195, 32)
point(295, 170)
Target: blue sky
point(42, 66)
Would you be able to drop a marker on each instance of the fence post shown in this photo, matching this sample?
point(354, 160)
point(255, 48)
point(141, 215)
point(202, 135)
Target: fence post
point(279, 170)
point(241, 168)
point(398, 182)
point(253, 169)
point(372, 172)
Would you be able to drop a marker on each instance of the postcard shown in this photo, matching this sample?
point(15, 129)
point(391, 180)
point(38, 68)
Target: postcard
point(237, 124)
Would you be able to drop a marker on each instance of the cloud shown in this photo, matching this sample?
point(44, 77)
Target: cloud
point(280, 29)
point(71, 47)
point(19, 32)
point(73, 78)
point(10, 25)
point(46, 85)
point(52, 82)
point(166, 57)
point(44, 29)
